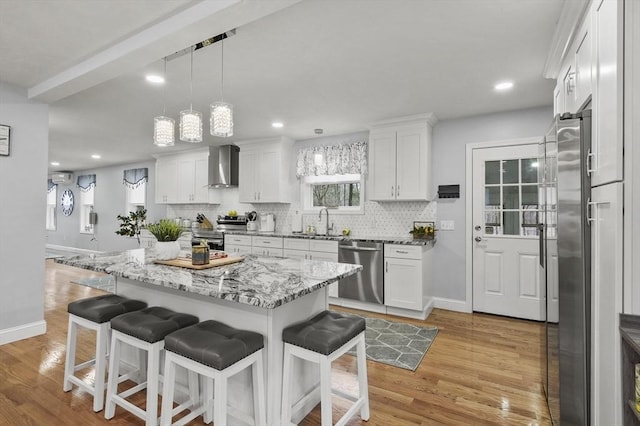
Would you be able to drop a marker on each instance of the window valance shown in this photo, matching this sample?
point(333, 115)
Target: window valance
point(86, 182)
point(134, 177)
point(50, 185)
point(332, 160)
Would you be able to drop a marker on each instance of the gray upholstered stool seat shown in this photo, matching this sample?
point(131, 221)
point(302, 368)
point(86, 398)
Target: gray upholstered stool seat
point(101, 309)
point(214, 344)
point(325, 332)
point(321, 340)
point(93, 313)
point(152, 324)
point(216, 352)
point(144, 330)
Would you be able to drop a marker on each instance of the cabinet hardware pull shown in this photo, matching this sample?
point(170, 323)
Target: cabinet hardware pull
point(398, 191)
point(593, 203)
point(392, 190)
point(590, 157)
point(402, 251)
point(387, 266)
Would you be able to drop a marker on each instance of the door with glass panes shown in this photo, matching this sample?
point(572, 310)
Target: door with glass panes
point(505, 233)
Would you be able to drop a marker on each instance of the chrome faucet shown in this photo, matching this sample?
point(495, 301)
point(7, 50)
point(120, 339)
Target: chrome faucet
point(327, 228)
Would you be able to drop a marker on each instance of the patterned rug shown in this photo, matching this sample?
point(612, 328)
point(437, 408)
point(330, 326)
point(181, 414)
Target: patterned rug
point(105, 283)
point(397, 344)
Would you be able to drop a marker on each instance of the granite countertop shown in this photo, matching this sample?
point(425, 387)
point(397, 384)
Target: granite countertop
point(370, 238)
point(266, 282)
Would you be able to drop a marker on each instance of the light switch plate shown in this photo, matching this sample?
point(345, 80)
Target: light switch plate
point(447, 225)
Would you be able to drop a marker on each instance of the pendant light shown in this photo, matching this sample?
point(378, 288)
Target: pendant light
point(164, 128)
point(221, 121)
point(190, 120)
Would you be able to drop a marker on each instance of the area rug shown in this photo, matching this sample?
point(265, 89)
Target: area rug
point(397, 344)
point(105, 283)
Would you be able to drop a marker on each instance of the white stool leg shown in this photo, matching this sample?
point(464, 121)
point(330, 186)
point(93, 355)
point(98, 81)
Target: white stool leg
point(208, 400)
point(168, 390)
point(285, 412)
point(220, 402)
point(325, 391)
point(362, 377)
point(194, 388)
point(259, 412)
point(112, 383)
point(153, 371)
point(70, 357)
point(102, 338)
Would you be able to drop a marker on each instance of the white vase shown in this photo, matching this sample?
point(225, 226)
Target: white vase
point(167, 250)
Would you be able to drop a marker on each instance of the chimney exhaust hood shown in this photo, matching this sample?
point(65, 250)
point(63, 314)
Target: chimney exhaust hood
point(223, 166)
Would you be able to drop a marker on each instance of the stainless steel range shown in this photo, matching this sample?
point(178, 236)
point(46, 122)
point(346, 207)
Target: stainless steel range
point(215, 237)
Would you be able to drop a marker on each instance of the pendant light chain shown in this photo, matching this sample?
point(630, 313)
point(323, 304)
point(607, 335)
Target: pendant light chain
point(191, 83)
point(164, 89)
point(222, 71)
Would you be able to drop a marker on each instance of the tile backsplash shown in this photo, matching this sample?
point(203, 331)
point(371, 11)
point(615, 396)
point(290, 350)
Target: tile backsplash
point(388, 219)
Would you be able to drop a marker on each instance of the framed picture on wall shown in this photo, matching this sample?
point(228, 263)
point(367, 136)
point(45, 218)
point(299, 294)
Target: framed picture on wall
point(5, 139)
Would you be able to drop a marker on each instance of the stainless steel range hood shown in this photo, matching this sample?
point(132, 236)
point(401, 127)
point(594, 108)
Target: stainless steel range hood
point(223, 166)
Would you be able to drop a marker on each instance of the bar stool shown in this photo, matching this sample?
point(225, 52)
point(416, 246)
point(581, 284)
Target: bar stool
point(217, 352)
point(145, 330)
point(323, 339)
point(93, 313)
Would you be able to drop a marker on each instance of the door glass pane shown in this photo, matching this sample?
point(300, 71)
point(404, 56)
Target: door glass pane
point(511, 197)
point(511, 223)
point(530, 196)
point(530, 170)
point(510, 171)
point(492, 218)
point(492, 196)
point(492, 172)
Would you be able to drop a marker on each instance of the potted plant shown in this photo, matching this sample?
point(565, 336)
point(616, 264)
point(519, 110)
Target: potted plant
point(424, 231)
point(167, 233)
point(130, 226)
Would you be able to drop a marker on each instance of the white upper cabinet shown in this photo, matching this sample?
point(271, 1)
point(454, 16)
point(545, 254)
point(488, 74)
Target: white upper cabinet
point(265, 174)
point(582, 60)
point(400, 159)
point(183, 178)
point(606, 144)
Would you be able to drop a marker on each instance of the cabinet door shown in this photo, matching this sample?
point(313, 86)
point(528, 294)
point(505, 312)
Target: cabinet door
point(186, 180)
point(403, 283)
point(607, 124)
point(166, 181)
point(583, 58)
point(558, 99)
point(411, 163)
point(382, 165)
point(247, 192)
point(237, 250)
point(296, 254)
point(606, 301)
point(322, 256)
point(569, 87)
point(201, 184)
point(268, 176)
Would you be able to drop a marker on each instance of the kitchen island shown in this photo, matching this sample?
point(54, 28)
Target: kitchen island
point(261, 294)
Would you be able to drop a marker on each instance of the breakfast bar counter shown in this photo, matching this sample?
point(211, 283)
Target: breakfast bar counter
point(261, 294)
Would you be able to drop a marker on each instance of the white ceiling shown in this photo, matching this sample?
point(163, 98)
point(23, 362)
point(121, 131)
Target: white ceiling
point(333, 64)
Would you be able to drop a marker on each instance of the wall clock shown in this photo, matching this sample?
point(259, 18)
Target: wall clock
point(66, 202)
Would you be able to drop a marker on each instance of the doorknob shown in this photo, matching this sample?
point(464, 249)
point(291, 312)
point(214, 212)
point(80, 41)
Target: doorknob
point(478, 239)
point(478, 227)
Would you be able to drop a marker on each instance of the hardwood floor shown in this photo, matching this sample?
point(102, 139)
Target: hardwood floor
point(481, 370)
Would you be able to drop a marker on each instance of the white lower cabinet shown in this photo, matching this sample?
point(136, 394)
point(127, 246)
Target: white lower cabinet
point(407, 277)
point(266, 246)
point(237, 244)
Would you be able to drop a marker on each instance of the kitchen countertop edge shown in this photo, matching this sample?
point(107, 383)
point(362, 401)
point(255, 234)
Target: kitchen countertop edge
point(385, 240)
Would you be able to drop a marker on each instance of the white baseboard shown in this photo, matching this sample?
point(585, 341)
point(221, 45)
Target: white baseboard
point(71, 249)
point(13, 334)
point(452, 304)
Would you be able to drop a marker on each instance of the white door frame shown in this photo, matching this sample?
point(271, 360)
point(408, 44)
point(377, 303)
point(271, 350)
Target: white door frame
point(469, 205)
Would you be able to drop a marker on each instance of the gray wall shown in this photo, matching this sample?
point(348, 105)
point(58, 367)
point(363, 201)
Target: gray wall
point(450, 140)
point(110, 201)
point(23, 177)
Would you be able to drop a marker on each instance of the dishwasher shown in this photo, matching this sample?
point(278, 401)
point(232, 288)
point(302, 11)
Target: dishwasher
point(368, 285)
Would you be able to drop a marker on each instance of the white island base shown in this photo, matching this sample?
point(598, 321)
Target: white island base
point(268, 322)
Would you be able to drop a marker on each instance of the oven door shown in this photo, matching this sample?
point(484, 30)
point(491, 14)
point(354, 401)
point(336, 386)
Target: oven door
point(214, 244)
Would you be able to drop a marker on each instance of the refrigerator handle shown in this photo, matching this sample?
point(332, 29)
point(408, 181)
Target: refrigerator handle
point(541, 242)
point(590, 157)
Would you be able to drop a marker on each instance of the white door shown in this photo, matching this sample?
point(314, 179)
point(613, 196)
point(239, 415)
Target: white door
point(505, 217)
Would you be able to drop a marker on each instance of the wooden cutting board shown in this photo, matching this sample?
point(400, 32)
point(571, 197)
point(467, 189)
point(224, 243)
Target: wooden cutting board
point(185, 262)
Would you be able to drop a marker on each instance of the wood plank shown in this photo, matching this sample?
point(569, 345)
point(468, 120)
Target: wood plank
point(480, 370)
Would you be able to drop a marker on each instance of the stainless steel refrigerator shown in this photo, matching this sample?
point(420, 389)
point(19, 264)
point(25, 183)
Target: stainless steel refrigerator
point(565, 255)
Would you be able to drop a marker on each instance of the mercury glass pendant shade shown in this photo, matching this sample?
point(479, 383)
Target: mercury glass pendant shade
point(164, 131)
point(190, 126)
point(221, 121)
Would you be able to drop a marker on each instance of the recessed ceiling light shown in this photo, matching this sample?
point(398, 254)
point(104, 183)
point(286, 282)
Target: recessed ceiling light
point(55, 163)
point(96, 156)
point(505, 85)
point(153, 78)
point(277, 124)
